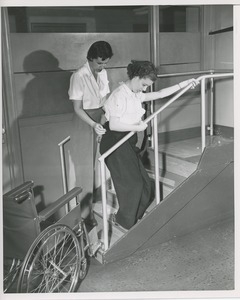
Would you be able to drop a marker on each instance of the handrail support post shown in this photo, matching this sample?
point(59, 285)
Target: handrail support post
point(104, 204)
point(156, 158)
point(203, 117)
point(211, 104)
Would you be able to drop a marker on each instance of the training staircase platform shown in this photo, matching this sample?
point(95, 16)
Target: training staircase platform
point(190, 200)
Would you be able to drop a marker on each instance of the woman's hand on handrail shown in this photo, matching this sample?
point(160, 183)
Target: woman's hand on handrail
point(142, 126)
point(191, 81)
point(165, 92)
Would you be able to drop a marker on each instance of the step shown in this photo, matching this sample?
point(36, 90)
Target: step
point(114, 234)
point(167, 178)
point(173, 164)
point(97, 207)
point(112, 198)
point(114, 231)
point(112, 202)
point(164, 192)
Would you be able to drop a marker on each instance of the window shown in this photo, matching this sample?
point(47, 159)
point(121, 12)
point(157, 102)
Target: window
point(79, 19)
point(179, 18)
point(102, 19)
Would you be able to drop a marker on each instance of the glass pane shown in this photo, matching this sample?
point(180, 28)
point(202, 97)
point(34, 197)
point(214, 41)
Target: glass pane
point(179, 18)
point(79, 19)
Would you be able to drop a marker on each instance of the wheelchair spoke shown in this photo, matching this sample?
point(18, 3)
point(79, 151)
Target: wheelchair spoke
point(53, 264)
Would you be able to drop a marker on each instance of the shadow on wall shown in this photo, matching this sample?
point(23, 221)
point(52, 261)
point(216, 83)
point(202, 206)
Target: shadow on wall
point(47, 92)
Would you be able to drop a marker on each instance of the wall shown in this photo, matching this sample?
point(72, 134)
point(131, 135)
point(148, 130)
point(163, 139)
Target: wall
point(40, 137)
point(218, 54)
point(179, 52)
point(41, 75)
point(42, 69)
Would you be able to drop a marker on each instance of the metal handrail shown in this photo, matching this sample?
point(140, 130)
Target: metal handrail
point(203, 104)
point(193, 73)
point(211, 71)
point(127, 136)
point(154, 117)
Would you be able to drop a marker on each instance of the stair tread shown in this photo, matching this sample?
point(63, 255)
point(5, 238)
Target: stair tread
point(182, 149)
point(184, 163)
point(167, 181)
point(112, 191)
point(97, 207)
point(115, 233)
point(173, 164)
point(167, 178)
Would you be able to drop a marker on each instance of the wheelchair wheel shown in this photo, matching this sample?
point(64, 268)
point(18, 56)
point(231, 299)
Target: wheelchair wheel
point(53, 262)
point(11, 269)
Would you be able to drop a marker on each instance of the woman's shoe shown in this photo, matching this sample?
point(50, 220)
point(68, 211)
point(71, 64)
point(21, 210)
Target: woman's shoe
point(90, 220)
point(112, 220)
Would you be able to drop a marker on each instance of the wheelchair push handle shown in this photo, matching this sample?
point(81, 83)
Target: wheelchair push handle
point(23, 197)
point(20, 193)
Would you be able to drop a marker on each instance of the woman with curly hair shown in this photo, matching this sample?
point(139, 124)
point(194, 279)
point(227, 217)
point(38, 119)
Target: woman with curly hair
point(124, 112)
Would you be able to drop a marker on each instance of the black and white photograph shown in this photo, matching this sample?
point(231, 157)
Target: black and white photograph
point(119, 149)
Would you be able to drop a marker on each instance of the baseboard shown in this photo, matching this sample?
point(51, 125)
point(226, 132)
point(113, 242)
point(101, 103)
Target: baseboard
point(224, 131)
point(189, 133)
point(178, 135)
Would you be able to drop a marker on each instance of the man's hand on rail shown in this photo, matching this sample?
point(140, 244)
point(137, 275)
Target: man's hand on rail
point(191, 81)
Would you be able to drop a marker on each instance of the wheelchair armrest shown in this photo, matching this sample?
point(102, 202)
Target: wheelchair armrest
point(52, 208)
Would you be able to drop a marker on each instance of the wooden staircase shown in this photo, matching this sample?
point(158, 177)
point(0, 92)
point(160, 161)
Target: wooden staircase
point(177, 162)
point(173, 171)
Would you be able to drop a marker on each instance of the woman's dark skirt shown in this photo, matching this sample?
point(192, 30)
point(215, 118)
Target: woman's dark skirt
point(130, 179)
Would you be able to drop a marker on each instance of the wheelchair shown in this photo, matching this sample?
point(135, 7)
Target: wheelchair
point(40, 255)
